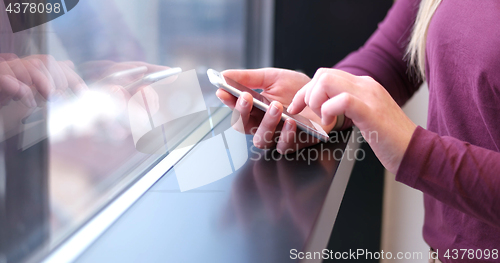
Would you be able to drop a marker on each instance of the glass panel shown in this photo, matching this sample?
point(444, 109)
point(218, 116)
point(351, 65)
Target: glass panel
point(82, 117)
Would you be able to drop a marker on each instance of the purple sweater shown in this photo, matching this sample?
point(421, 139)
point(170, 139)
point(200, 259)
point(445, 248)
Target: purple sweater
point(456, 162)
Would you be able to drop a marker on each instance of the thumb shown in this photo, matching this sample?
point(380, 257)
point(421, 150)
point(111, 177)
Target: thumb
point(253, 78)
point(298, 102)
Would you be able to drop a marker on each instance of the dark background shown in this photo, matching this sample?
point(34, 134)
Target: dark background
point(319, 33)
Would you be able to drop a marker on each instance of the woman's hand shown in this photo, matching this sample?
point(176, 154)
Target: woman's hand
point(20, 77)
point(371, 108)
point(279, 86)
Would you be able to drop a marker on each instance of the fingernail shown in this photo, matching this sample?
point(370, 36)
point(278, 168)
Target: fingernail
point(288, 125)
point(243, 102)
point(290, 108)
point(274, 110)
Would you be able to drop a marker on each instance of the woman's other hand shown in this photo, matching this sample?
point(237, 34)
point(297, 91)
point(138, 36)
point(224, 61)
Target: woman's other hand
point(382, 122)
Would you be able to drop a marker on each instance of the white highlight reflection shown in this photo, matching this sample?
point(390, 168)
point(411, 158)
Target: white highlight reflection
point(82, 115)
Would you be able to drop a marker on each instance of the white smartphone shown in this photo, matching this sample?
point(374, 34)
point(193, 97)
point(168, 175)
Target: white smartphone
point(262, 103)
point(146, 80)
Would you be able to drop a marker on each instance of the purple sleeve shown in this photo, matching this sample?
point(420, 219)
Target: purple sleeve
point(382, 57)
point(454, 172)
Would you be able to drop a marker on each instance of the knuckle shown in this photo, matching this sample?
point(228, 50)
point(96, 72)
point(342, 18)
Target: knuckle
point(324, 111)
point(320, 72)
point(47, 58)
point(69, 63)
point(8, 56)
point(303, 75)
point(367, 81)
point(324, 79)
point(12, 56)
point(314, 103)
point(36, 62)
point(21, 93)
point(346, 99)
point(367, 78)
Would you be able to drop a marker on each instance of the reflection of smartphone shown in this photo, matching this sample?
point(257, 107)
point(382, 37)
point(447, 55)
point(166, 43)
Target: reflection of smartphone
point(152, 78)
point(262, 103)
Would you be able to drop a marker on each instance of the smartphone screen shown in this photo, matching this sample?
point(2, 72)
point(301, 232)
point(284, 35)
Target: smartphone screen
point(261, 102)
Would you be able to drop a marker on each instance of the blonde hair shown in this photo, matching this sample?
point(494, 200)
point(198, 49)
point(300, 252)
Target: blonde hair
point(416, 47)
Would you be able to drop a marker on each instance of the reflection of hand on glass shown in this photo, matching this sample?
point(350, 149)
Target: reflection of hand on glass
point(104, 108)
point(117, 79)
point(278, 190)
point(12, 87)
point(21, 77)
point(117, 73)
point(279, 86)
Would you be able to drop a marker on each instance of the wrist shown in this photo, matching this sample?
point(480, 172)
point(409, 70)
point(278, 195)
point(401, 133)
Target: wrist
point(404, 145)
